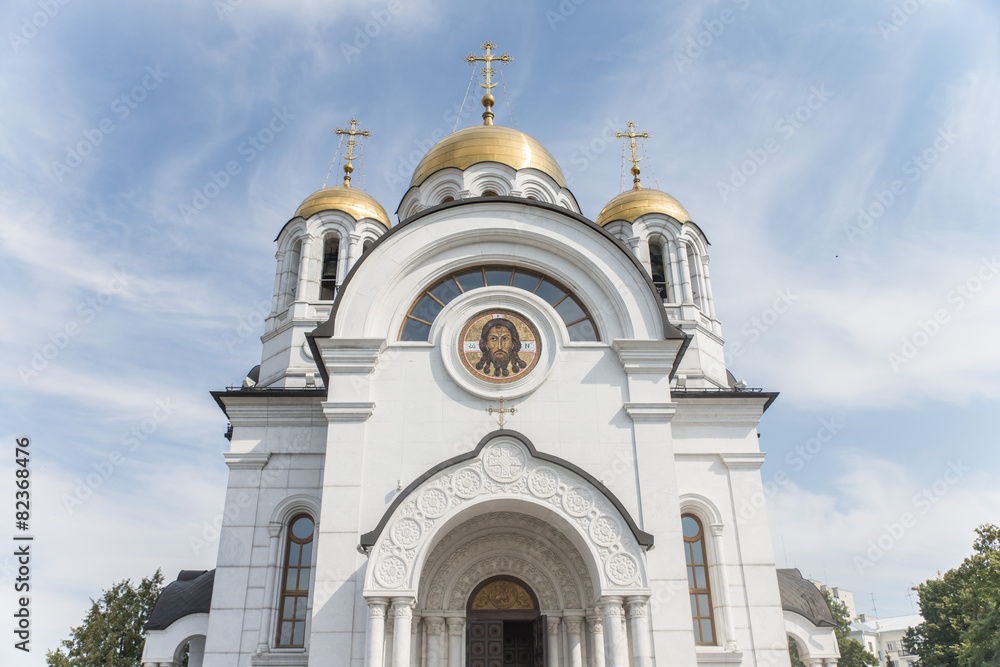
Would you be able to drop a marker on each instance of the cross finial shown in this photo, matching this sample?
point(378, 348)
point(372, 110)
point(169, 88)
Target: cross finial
point(351, 133)
point(472, 59)
point(501, 411)
point(632, 135)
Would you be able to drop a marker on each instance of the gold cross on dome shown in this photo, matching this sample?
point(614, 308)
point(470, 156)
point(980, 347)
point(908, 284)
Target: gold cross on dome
point(351, 133)
point(632, 135)
point(488, 98)
point(501, 411)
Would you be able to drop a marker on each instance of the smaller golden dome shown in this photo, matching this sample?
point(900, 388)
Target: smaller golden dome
point(355, 203)
point(631, 204)
point(488, 143)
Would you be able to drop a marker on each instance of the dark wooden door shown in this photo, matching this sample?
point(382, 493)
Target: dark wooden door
point(518, 644)
point(538, 632)
point(485, 647)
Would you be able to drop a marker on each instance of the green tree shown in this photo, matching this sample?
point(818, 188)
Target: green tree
point(111, 633)
point(793, 653)
point(852, 652)
point(961, 610)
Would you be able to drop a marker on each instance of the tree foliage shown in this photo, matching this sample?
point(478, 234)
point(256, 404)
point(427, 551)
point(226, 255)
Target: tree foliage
point(852, 652)
point(111, 634)
point(961, 610)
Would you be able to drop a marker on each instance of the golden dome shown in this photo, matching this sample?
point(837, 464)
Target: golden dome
point(631, 204)
point(488, 143)
point(355, 203)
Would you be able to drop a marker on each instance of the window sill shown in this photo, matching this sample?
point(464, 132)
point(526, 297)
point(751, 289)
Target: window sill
point(281, 657)
point(717, 655)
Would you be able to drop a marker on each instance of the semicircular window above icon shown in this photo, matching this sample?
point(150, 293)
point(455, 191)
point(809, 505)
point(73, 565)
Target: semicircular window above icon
point(417, 324)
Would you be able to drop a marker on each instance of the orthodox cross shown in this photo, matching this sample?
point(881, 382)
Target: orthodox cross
point(488, 98)
point(501, 411)
point(632, 135)
point(351, 133)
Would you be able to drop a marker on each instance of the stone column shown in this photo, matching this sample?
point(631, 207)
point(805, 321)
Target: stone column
point(263, 638)
point(552, 630)
point(633, 244)
point(434, 634)
point(276, 297)
point(638, 610)
point(354, 250)
point(723, 596)
point(574, 636)
point(305, 262)
point(672, 270)
point(415, 641)
point(615, 641)
point(596, 641)
point(376, 631)
point(708, 288)
point(341, 261)
point(682, 267)
point(402, 614)
point(456, 642)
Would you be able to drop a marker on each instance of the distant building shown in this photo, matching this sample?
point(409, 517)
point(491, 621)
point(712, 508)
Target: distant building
point(844, 597)
point(883, 637)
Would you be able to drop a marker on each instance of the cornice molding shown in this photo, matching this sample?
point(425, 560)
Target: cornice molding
point(651, 412)
point(247, 461)
point(743, 461)
point(348, 412)
point(647, 356)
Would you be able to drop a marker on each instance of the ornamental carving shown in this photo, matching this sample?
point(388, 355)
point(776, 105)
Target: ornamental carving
point(502, 595)
point(622, 569)
point(506, 469)
point(552, 626)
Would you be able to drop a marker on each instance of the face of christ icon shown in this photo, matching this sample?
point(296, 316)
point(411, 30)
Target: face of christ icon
point(500, 345)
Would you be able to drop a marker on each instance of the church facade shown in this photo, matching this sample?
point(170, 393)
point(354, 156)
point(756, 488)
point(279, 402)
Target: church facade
point(493, 433)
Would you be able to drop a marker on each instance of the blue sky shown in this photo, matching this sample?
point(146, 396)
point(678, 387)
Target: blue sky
point(775, 123)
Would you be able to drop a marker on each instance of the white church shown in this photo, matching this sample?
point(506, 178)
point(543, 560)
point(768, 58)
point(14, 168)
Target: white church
point(493, 433)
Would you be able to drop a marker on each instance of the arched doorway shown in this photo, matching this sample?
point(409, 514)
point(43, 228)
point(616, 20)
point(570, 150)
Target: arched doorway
point(505, 626)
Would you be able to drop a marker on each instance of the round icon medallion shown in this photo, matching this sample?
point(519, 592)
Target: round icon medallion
point(499, 346)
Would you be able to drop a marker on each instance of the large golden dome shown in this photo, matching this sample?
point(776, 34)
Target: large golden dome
point(356, 203)
point(488, 143)
point(631, 204)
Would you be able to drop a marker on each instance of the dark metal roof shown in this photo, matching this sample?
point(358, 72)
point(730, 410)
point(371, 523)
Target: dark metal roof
point(801, 596)
point(190, 594)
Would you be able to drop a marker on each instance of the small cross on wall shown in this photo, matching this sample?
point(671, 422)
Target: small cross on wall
point(501, 412)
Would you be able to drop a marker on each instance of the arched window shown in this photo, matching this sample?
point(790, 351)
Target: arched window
point(366, 246)
point(328, 281)
point(295, 583)
point(697, 571)
point(489, 193)
point(694, 268)
point(656, 267)
point(292, 261)
point(447, 199)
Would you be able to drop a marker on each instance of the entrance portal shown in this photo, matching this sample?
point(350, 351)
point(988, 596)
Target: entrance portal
point(505, 628)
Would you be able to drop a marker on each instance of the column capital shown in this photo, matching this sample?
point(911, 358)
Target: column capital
point(636, 606)
point(402, 607)
point(596, 624)
point(376, 607)
point(717, 529)
point(456, 626)
point(574, 624)
point(434, 625)
point(552, 625)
